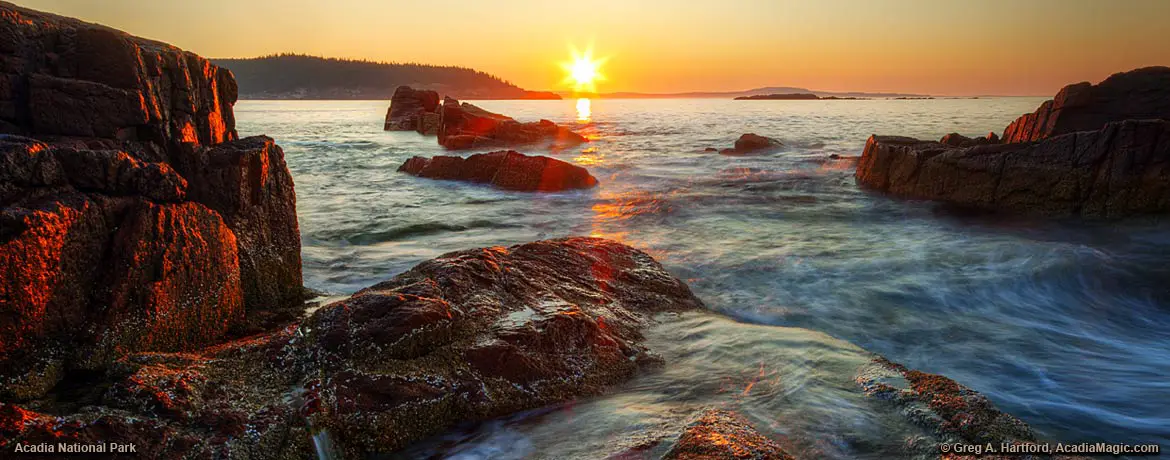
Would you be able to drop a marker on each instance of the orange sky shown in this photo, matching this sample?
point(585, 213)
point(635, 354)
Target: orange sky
point(942, 47)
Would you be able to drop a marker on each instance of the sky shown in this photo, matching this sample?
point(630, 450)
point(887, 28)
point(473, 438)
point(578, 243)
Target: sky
point(939, 47)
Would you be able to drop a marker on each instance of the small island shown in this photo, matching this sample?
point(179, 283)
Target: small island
point(792, 97)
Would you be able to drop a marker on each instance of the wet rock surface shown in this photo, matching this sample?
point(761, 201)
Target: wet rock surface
point(133, 218)
point(723, 435)
point(468, 336)
point(409, 108)
point(1105, 169)
point(948, 411)
point(465, 126)
point(506, 169)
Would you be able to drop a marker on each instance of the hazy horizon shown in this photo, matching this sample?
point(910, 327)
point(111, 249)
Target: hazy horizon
point(997, 47)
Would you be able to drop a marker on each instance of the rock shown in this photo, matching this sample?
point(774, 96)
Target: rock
point(133, 218)
point(506, 169)
point(468, 336)
point(835, 156)
point(1135, 95)
point(948, 411)
point(248, 183)
point(90, 81)
point(428, 123)
point(710, 149)
point(955, 140)
point(481, 333)
point(752, 143)
point(408, 107)
point(1064, 160)
point(464, 126)
point(234, 400)
point(1114, 172)
point(723, 435)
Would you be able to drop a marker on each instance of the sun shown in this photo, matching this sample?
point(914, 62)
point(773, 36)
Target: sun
point(583, 71)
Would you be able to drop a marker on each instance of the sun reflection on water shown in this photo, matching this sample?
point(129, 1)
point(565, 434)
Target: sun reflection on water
point(584, 110)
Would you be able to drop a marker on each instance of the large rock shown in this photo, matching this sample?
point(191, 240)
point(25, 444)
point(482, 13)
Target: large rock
point(468, 336)
point(506, 169)
point(94, 268)
point(722, 435)
point(1068, 159)
point(136, 220)
point(1121, 170)
point(63, 77)
point(1135, 95)
point(248, 183)
point(752, 143)
point(465, 126)
point(408, 108)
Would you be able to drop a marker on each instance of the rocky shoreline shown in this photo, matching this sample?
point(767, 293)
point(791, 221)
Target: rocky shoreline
point(1094, 151)
point(152, 289)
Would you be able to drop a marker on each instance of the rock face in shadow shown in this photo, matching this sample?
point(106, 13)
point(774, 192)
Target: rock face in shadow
point(1070, 163)
point(722, 435)
point(408, 108)
point(506, 169)
point(468, 336)
point(752, 143)
point(465, 126)
point(1135, 95)
point(134, 219)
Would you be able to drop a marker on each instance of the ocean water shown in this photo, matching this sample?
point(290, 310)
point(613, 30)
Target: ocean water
point(1063, 324)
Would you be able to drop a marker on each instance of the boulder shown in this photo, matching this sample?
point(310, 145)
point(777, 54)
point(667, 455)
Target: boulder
point(1118, 171)
point(464, 126)
point(752, 143)
point(248, 183)
point(506, 169)
point(134, 219)
point(468, 336)
point(78, 79)
point(1058, 162)
point(1135, 95)
point(723, 435)
point(408, 107)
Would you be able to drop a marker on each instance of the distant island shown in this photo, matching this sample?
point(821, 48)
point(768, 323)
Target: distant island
point(792, 97)
point(765, 91)
point(296, 76)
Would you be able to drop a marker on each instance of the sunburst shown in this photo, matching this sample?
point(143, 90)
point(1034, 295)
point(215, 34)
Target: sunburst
point(583, 71)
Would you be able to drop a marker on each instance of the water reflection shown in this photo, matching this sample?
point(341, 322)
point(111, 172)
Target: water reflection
point(584, 110)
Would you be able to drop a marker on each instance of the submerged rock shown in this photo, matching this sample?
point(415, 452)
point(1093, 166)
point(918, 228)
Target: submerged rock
point(950, 412)
point(752, 143)
point(409, 108)
point(1104, 169)
point(1135, 95)
point(506, 169)
point(723, 435)
point(465, 126)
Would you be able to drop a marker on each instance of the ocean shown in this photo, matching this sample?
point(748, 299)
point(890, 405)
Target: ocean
point(1063, 324)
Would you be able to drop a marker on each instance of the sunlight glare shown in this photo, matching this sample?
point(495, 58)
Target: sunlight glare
point(583, 71)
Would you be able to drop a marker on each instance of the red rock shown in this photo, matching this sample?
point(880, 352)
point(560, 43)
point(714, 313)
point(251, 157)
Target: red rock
point(248, 183)
point(1135, 95)
point(463, 126)
point(506, 169)
point(752, 143)
point(723, 435)
point(481, 333)
point(408, 107)
point(91, 81)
